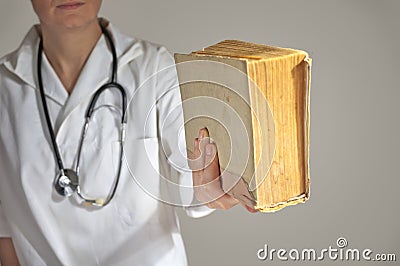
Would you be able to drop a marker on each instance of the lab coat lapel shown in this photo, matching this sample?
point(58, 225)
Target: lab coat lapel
point(23, 63)
point(97, 70)
point(53, 87)
point(95, 73)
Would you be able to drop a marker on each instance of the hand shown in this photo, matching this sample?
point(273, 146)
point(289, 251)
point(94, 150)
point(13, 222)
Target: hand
point(206, 173)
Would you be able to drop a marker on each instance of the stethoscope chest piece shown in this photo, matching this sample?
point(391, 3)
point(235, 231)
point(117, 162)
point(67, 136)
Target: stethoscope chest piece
point(67, 182)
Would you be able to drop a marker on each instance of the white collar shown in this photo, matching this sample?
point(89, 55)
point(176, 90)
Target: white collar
point(23, 61)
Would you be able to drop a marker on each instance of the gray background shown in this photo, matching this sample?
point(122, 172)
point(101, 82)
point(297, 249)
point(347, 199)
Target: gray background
point(355, 127)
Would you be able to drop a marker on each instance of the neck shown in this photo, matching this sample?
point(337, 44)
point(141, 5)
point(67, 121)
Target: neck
point(67, 50)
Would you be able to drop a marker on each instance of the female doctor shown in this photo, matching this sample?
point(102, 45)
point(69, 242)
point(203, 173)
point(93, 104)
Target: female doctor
point(59, 66)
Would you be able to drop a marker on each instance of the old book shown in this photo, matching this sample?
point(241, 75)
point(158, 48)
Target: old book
point(254, 100)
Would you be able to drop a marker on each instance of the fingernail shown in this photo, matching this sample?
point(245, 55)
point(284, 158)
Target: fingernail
point(201, 133)
point(209, 149)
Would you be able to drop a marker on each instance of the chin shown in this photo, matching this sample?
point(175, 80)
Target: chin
point(75, 22)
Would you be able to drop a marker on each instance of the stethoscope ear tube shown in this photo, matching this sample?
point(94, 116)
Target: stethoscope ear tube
point(67, 181)
point(46, 109)
point(111, 84)
point(97, 94)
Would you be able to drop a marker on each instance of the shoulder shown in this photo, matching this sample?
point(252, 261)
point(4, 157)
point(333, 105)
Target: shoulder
point(143, 52)
point(156, 54)
point(26, 47)
point(151, 54)
point(19, 64)
point(148, 61)
point(5, 58)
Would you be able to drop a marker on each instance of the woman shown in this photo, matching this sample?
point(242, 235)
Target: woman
point(39, 227)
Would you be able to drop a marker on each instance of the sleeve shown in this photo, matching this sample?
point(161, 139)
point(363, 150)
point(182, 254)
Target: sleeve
point(4, 227)
point(172, 133)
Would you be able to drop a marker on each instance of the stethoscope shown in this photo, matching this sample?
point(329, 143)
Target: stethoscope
point(66, 182)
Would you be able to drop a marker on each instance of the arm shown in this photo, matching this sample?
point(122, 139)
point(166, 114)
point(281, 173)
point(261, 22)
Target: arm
point(8, 257)
point(205, 170)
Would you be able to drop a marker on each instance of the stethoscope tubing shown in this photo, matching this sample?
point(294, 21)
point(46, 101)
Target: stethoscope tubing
point(46, 109)
point(91, 107)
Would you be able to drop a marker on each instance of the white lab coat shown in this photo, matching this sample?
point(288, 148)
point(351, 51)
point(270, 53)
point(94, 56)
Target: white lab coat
point(137, 227)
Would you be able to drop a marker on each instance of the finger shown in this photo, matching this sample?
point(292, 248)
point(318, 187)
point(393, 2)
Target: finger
point(204, 136)
point(196, 162)
point(210, 189)
point(203, 141)
point(223, 203)
point(192, 155)
point(249, 209)
point(196, 165)
point(212, 171)
point(196, 149)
